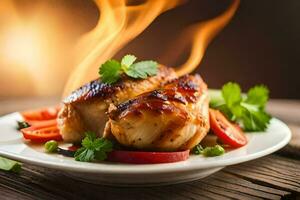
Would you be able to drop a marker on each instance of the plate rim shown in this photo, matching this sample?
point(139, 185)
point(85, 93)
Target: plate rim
point(163, 168)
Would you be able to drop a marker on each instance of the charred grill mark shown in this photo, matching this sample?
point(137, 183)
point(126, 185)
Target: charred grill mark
point(94, 89)
point(157, 94)
point(134, 108)
point(185, 82)
point(186, 89)
point(126, 105)
point(98, 89)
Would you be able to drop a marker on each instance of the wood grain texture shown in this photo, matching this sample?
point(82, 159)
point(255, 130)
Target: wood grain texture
point(244, 181)
point(276, 176)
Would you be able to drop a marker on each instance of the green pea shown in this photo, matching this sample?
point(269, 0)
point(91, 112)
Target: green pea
point(217, 150)
point(51, 146)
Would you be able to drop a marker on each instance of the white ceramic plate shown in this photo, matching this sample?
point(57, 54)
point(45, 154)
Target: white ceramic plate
point(13, 146)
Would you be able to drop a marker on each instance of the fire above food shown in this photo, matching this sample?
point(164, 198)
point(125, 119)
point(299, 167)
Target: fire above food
point(142, 111)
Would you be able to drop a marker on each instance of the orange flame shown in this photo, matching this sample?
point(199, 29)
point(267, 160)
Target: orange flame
point(119, 23)
point(201, 35)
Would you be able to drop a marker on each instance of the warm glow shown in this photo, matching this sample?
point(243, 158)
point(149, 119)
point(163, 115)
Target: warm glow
point(33, 55)
point(199, 36)
point(119, 23)
point(38, 52)
point(21, 47)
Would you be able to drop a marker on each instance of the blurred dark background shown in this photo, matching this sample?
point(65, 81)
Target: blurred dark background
point(259, 45)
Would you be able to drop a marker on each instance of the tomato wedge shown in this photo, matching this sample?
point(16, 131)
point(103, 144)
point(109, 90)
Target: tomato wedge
point(43, 125)
point(226, 131)
point(41, 114)
point(139, 157)
point(42, 133)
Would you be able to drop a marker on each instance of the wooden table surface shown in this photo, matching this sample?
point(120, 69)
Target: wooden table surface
point(276, 176)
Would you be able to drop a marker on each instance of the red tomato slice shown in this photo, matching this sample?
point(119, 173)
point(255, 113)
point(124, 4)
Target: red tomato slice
point(41, 114)
point(138, 157)
point(227, 132)
point(41, 133)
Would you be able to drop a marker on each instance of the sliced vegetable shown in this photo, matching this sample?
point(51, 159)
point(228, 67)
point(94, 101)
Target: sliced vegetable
point(41, 114)
point(227, 132)
point(51, 146)
point(41, 133)
point(138, 157)
point(9, 165)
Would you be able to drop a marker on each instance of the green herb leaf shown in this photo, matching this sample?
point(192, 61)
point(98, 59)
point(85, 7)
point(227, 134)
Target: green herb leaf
point(216, 150)
point(102, 144)
point(110, 71)
point(9, 165)
point(232, 94)
point(142, 69)
point(128, 60)
point(22, 124)
point(247, 110)
point(258, 95)
point(93, 148)
point(255, 120)
point(84, 155)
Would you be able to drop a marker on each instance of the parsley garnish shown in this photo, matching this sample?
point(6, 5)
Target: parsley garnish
point(93, 148)
point(247, 110)
point(111, 71)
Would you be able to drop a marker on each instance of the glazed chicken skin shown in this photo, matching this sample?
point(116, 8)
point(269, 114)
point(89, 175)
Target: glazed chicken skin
point(168, 119)
point(84, 110)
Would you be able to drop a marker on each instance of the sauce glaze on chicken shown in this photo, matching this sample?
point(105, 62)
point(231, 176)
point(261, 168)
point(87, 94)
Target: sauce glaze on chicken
point(84, 110)
point(174, 117)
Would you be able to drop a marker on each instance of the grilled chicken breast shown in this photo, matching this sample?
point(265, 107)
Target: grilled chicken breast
point(168, 119)
point(84, 110)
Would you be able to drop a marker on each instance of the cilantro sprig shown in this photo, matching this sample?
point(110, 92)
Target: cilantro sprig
point(111, 71)
point(247, 110)
point(93, 148)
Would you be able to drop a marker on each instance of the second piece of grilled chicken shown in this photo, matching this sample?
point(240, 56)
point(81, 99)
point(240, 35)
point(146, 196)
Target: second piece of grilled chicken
point(84, 110)
point(168, 119)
